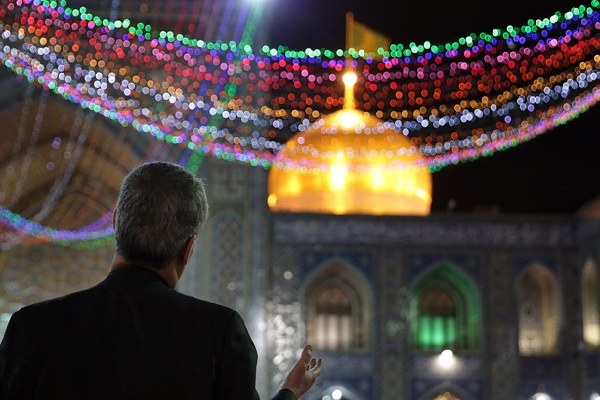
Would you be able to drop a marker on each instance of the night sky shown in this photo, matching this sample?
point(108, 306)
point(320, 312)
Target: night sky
point(557, 172)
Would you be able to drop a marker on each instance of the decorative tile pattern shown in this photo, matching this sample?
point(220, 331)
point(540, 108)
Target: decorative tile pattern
point(406, 231)
point(284, 315)
point(227, 263)
point(570, 277)
point(502, 328)
point(36, 273)
point(393, 315)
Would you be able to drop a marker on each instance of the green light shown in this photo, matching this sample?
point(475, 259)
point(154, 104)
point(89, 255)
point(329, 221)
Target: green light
point(438, 337)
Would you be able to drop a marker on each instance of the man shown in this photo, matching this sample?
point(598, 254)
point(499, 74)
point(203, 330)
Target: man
point(133, 336)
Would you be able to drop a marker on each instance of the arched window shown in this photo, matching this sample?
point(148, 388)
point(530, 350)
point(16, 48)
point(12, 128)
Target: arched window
point(448, 311)
point(333, 325)
point(589, 304)
point(338, 392)
point(539, 315)
point(437, 318)
point(337, 309)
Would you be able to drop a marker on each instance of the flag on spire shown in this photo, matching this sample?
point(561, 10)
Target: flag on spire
point(361, 37)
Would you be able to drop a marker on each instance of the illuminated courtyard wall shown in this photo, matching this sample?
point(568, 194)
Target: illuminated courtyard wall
point(271, 266)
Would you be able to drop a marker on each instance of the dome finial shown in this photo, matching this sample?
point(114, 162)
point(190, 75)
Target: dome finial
point(349, 79)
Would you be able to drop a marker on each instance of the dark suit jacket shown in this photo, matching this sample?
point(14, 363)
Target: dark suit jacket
point(129, 337)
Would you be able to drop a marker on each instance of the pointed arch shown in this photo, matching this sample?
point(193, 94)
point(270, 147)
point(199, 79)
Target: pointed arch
point(538, 311)
point(447, 306)
point(589, 304)
point(447, 396)
point(338, 303)
point(447, 391)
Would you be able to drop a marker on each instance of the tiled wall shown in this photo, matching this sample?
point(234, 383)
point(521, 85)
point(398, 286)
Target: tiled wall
point(35, 273)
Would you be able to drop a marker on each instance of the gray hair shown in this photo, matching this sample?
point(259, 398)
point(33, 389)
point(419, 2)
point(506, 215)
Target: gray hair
point(161, 205)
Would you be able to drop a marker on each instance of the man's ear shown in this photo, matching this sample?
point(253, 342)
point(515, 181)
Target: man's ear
point(114, 218)
point(187, 250)
point(184, 255)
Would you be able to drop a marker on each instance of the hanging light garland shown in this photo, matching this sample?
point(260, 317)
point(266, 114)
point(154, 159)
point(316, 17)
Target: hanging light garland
point(455, 101)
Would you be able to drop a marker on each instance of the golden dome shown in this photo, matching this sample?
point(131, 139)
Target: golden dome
point(349, 163)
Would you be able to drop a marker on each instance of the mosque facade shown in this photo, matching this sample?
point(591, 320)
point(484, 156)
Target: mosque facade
point(514, 298)
point(413, 307)
point(416, 307)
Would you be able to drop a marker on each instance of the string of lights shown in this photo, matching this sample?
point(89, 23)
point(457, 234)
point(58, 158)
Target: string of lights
point(455, 101)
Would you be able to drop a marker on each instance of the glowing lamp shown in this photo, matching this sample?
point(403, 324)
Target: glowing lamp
point(349, 78)
point(446, 359)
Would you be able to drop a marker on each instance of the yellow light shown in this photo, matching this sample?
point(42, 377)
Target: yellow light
point(377, 179)
point(359, 177)
point(422, 194)
point(272, 200)
point(349, 78)
point(339, 171)
point(349, 119)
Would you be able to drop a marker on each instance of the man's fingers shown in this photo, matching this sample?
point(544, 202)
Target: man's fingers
point(316, 369)
point(306, 355)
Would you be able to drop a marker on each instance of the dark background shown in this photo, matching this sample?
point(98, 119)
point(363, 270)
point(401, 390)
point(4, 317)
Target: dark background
point(557, 172)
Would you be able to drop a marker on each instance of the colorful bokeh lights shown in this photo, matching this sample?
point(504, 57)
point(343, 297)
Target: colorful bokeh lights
point(454, 101)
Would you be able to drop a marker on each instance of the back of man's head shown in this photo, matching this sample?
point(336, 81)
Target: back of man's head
point(161, 205)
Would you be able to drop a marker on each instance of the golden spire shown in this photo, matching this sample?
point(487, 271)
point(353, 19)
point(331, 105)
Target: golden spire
point(349, 79)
